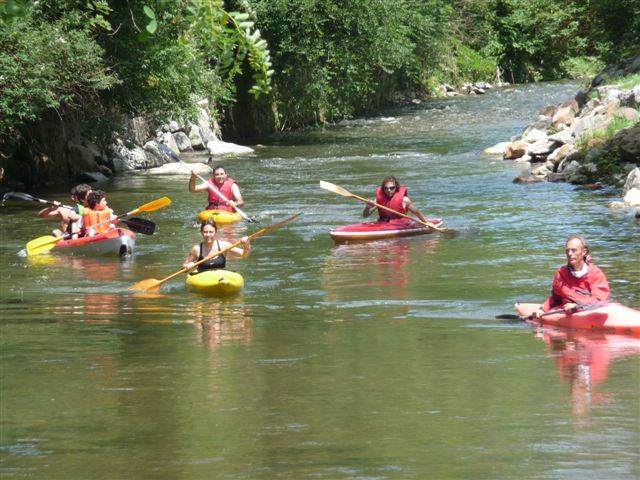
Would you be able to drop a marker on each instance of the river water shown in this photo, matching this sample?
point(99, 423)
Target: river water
point(371, 361)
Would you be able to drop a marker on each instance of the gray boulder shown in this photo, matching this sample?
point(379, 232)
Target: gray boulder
point(182, 141)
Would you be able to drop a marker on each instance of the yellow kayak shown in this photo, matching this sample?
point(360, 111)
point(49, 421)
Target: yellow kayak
point(221, 217)
point(215, 283)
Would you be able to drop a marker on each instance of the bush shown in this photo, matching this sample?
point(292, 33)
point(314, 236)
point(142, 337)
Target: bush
point(474, 67)
point(46, 66)
point(582, 67)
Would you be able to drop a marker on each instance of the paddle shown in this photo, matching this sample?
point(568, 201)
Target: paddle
point(346, 193)
point(140, 225)
point(214, 189)
point(30, 198)
point(153, 284)
point(581, 308)
point(42, 245)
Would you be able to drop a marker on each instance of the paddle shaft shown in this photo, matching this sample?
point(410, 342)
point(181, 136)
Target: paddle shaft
point(214, 189)
point(369, 202)
point(259, 233)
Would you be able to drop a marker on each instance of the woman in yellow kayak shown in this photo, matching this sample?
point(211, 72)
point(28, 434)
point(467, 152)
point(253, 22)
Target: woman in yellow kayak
point(210, 245)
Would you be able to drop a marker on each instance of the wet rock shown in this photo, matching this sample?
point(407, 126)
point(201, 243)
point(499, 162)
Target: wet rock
point(633, 181)
point(533, 135)
point(166, 138)
point(182, 141)
point(497, 149)
point(541, 148)
point(218, 147)
point(195, 138)
point(565, 115)
point(560, 154)
point(632, 197)
point(515, 150)
point(563, 136)
point(527, 178)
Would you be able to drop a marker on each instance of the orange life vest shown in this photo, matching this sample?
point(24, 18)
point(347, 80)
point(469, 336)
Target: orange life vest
point(92, 218)
point(396, 202)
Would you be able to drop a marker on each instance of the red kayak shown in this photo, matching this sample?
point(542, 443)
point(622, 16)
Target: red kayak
point(368, 231)
point(118, 241)
point(611, 317)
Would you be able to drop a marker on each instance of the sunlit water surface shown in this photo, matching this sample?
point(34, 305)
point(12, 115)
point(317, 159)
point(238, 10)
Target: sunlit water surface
point(371, 361)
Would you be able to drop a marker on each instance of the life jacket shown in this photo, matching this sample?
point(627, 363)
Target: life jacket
point(213, 264)
point(396, 202)
point(217, 203)
point(591, 288)
point(92, 218)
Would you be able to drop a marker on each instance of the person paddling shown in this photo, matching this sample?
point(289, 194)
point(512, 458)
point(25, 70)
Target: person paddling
point(70, 219)
point(225, 185)
point(579, 282)
point(98, 216)
point(210, 245)
point(394, 196)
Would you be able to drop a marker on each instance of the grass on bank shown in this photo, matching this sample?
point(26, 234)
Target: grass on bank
point(628, 82)
point(608, 162)
point(596, 137)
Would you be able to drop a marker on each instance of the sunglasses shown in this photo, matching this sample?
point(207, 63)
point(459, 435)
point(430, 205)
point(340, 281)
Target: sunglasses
point(391, 188)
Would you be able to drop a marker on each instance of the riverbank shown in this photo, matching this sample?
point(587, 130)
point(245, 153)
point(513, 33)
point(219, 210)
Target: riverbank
point(590, 140)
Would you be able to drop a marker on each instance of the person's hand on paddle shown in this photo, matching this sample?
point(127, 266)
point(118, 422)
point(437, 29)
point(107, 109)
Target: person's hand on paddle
point(246, 246)
point(231, 203)
point(538, 313)
point(188, 265)
point(368, 208)
point(569, 307)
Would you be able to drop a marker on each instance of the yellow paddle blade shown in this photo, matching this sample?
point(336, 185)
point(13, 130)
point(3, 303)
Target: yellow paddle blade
point(146, 285)
point(155, 205)
point(42, 245)
point(335, 189)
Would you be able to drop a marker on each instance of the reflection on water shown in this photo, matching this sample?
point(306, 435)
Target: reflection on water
point(218, 323)
point(584, 360)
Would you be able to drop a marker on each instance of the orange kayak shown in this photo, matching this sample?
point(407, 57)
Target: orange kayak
point(611, 317)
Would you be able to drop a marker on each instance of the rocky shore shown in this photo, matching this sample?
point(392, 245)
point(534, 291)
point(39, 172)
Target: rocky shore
point(590, 140)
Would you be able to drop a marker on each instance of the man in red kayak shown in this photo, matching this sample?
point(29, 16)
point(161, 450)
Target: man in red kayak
point(579, 282)
point(394, 196)
point(219, 182)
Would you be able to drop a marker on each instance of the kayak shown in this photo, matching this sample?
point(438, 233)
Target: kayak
point(611, 317)
point(118, 241)
point(215, 283)
point(368, 231)
point(221, 217)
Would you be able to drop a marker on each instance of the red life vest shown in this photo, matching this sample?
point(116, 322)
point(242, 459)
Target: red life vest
point(216, 202)
point(591, 288)
point(396, 202)
point(91, 218)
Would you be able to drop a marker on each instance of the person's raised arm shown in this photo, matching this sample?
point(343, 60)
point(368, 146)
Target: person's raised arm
point(196, 188)
point(243, 252)
point(237, 200)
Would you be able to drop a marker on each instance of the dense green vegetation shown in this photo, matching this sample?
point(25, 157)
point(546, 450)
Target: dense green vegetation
point(304, 61)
